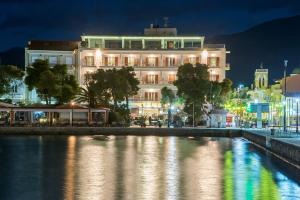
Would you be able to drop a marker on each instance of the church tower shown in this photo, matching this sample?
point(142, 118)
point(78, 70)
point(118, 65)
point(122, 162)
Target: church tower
point(261, 78)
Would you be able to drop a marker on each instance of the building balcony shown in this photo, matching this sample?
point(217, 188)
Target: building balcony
point(142, 99)
point(160, 82)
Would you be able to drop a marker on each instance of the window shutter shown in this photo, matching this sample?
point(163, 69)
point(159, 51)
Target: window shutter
point(116, 61)
point(126, 61)
point(217, 77)
point(218, 61)
point(156, 62)
point(166, 62)
point(146, 62)
point(106, 61)
point(197, 60)
point(156, 79)
point(136, 62)
point(186, 60)
point(156, 96)
point(208, 61)
point(146, 95)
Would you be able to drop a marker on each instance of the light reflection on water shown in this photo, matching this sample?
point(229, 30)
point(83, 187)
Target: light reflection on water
point(131, 167)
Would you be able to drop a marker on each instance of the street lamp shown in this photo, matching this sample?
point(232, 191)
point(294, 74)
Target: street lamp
point(297, 116)
point(72, 106)
point(284, 108)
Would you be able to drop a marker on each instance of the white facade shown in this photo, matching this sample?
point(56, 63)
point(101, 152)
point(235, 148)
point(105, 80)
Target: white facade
point(60, 55)
point(155, 60)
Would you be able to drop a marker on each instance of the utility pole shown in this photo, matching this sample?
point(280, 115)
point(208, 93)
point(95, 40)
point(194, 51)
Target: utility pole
point(193, 114)
point(297, 117)
point(284, 106)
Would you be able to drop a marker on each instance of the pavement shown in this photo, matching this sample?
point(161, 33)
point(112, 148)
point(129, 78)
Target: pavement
point(287, 137)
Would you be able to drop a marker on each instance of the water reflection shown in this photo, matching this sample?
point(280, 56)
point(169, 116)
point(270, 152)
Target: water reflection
point(70, 168)
point(171, 169)
point(141, 168)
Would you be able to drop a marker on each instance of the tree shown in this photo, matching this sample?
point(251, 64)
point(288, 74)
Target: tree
point(34, 72)
point(8, 75)
point(100, 84)
point(51, 82)
point(119, 85)
point(87, 94)
point(116, 86)
point(67, 84)
point(47, 86)
point(167, 96)
point(129, 82)
point(220, 92)
point(193, 85)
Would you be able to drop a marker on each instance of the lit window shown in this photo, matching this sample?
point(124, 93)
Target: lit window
point(152, 79)
point(69, 60)
point(213, 61)
point(53, 59)
point(171, 78)
point(130, 61)
point(34, 58)
point(89, 60)
point(151, 96)
point(192, 60)
point(111, 61)
point(151, 61)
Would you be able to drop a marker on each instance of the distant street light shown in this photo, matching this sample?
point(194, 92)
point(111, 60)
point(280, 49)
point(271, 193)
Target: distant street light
point(297, 116)
point(284, 108)
point(72, 106)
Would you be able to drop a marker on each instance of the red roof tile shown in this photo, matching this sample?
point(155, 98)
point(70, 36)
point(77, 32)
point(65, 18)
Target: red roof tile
point(53, 45)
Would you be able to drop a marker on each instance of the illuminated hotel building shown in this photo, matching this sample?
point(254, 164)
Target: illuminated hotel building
point(155, 57)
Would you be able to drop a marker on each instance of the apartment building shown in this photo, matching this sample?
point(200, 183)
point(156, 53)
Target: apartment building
point(56, 52)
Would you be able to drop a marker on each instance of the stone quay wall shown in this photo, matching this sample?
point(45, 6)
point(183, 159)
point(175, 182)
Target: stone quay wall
point(198, 132)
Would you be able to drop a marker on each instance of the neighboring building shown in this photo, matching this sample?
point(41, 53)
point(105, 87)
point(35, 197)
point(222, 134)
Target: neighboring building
point(155, 57)
point(292, 94)
point(56, 52)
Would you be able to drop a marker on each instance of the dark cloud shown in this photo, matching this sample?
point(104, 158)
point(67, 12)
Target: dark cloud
point(53, 19)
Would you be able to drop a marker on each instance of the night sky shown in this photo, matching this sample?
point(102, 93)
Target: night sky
point(23, 20)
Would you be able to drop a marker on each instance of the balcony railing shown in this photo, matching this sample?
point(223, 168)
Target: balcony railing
point(160, 82)
point(144, 99)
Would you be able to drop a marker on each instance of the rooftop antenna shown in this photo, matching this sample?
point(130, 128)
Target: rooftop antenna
point(166, 21)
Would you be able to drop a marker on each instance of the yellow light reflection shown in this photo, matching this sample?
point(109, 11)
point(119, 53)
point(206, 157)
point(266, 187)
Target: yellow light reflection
point(97, 170)
point(171, 169)
point(70, 161)
point(203, 172)
point(148, 172)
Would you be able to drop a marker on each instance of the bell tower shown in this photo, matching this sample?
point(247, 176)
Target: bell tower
point(261, 80)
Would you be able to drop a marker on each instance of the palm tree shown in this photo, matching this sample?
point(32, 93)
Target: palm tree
point(87, 94)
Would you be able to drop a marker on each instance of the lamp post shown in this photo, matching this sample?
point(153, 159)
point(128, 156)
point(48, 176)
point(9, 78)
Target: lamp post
point(193, 114)
point(169, 114)
point(284, 107)
point(72, 106)
point(297, 116)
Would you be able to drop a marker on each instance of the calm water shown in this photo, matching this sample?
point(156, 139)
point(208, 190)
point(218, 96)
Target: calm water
point(141, 168)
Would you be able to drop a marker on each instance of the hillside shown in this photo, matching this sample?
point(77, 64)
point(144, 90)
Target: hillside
point(13, 56)
point(270, 43)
